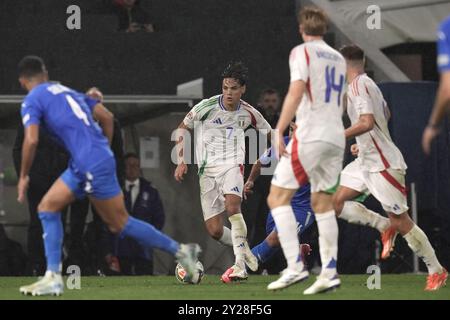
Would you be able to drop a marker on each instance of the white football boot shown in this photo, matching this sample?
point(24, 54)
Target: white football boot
point(238, 273)
point(323, 284)
point(51, 284)
point(288, 278)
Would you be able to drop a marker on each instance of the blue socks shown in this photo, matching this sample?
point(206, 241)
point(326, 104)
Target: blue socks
point(148, 236)
point(53, 239)
point(264, 252)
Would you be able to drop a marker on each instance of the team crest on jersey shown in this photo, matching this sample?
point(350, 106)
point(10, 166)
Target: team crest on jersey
point(190, 116)
point(241, 121)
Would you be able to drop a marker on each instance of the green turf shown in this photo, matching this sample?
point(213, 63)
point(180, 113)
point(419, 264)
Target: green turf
point(166, 287)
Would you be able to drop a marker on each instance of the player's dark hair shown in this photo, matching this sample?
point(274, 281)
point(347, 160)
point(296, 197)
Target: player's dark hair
point(130, 155)
point(352, 52)
point(31, 66)
point(236, 70)
point(269, 91)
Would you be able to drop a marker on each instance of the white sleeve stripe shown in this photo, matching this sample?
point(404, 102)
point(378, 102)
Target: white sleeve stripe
point(26, 118)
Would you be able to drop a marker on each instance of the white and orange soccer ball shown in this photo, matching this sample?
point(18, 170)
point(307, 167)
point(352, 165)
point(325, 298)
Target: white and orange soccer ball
point(180, 274)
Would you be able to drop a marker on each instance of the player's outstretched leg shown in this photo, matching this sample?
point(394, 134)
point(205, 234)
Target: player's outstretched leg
point(356, 213)
point(271, 245)
point(114, 214)
point(57, 198)
point(421, 246)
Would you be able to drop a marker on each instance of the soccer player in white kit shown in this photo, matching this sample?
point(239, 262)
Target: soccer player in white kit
point(379, 168)
point(219, 123)
point(315, 96)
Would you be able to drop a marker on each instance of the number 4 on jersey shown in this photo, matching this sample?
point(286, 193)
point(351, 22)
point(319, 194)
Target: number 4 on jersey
point(330, 76)
point(77, 110)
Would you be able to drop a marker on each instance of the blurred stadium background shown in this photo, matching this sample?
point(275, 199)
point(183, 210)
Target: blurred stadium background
point(140, 75)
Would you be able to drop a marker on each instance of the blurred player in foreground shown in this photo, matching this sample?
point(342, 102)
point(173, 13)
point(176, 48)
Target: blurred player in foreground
point(69, 116)
point(314, 154)
point(379, 168)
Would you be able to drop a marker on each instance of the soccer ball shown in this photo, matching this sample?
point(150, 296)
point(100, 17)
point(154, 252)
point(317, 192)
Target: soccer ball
point(180, 274)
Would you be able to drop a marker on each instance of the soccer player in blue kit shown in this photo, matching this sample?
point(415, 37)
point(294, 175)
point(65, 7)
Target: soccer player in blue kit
point(301, 205)
point(70, 117)
point(442, 102)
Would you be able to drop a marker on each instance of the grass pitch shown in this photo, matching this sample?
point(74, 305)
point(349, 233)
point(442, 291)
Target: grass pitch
point(393, 287)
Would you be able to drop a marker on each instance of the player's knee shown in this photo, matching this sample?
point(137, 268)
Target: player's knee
point(338, 204)
point(233, 208)
point(215, 232)
point(117, 224)
point(402, 223)
point(114, 228)
point(273, 201)
point(273, 240)
point(315, 204)
point(45, 206)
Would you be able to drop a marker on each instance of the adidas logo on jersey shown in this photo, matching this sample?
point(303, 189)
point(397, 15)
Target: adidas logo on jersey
point(217, 121)
point(235, 189)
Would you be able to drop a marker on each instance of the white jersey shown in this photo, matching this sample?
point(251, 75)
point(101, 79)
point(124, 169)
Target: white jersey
point(219, 134)
point(323, 69)
point(377, 152)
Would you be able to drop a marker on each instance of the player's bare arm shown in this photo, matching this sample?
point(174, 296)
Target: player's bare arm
point(440, 108)
point(290, 104)
point(29, 147)
point(105, 119)
point(182, 167)
point(254, 174)
point(365, 124)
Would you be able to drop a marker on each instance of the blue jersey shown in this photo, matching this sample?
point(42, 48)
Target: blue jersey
point(302, 198)
point(67, 116)
point(443, 46)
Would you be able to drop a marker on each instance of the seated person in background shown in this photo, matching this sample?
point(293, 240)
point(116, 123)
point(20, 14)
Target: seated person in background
point(132, 17)
point(143, 202)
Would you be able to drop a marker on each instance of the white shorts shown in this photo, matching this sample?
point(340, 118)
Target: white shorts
point(319, 162)
point(214, 188)
point(387, 186)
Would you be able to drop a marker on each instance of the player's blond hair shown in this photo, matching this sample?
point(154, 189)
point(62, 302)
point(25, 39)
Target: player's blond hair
point(313, 20)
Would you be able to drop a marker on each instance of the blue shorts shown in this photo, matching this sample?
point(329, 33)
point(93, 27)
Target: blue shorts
point(99, 182)
point(303, 215)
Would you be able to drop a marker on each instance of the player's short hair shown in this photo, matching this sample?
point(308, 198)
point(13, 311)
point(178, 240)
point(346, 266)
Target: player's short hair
point(314, 21)
point(352, 52)
point(31, 66)
point(129, 155)
point(236, 70)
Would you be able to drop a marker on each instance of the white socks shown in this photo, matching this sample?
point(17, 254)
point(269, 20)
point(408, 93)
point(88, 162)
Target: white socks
point(238, 237)
point(226, 237)
point(287, 233)
point(328, 242)
point(356, 213)
point(420, 245)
